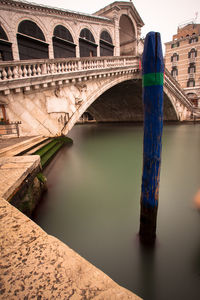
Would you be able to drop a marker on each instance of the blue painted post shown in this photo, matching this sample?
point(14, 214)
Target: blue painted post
point(152, 80)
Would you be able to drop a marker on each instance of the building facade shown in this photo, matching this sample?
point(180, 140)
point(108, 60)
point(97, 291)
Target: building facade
point(182, 59)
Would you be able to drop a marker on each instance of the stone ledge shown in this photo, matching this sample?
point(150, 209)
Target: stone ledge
point(13, 171)
point(37, 265)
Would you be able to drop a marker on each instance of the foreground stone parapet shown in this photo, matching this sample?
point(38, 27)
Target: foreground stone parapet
point(35, 265)
point(13, 172)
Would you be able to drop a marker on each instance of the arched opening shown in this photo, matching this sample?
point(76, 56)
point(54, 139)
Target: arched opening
point(127, 36)
point(5, 46)
point(123, 103)
point(106, 44)
point(63, 43)
point(31, 41)
point(87, 45)
point(86, 118)
point(193, 98)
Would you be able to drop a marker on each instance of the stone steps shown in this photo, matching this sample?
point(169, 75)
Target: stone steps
point(22, 147)
point(33, 150)
point(48, 151)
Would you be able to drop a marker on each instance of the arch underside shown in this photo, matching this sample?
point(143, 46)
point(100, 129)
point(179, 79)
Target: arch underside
point(121, 102)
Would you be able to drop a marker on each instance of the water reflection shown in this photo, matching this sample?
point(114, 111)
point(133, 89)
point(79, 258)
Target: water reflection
point(93, 205)
point(147, 276)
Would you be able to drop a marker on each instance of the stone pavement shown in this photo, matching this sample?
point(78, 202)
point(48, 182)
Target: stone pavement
point(17, 146)
point(7, 142)
point(35, 265)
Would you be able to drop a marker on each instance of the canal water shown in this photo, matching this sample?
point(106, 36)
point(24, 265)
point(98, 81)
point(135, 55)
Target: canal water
point(93, 205)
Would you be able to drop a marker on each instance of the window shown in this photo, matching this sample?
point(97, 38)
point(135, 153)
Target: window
point(191, 83)
point(174, 57)
point(193, 40)
point(63, 43)
point(87, 44)
point(192, 53)
point(174, 71)
point(191, 68)
point(175, 45)
point(31, 41)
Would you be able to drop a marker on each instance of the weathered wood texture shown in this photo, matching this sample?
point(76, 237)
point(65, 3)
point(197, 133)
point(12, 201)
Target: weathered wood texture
point(152, 73)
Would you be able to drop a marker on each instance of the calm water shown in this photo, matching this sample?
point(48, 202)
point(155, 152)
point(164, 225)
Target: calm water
point(93, 206)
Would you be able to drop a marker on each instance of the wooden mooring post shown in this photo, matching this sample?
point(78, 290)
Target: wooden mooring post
point(152, 80)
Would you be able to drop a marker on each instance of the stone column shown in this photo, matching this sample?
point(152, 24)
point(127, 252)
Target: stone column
point(51, 53)
point(15, 49)
point(137, 40)
point(117, 38)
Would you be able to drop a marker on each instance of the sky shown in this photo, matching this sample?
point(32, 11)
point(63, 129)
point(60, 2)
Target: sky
point(158, 15)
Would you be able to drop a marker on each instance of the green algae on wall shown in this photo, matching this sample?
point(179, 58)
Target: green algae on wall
point(48, 151)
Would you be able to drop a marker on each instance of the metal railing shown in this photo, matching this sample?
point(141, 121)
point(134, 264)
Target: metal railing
point(9, 128)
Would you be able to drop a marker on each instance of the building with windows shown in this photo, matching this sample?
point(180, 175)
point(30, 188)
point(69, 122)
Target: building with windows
point(182, 59)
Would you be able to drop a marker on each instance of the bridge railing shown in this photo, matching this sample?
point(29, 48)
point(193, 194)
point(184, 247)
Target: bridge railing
point(174, 85)
point(34, 68)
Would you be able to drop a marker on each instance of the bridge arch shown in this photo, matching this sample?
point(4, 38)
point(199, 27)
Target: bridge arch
point(178, 110)
point(173, 101)
point(107, 84)
point(127, 35)
point(63, 42)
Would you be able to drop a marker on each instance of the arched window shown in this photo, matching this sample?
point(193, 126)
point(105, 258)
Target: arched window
point(174, 57)
point(193, 39)
point(87, 45)
point(191, 83)
point(191, 68)
point(192, 53)
point(127, 35)
point(106, 44)
point(5, 46)
point(31, 41)
point(174, 72)
point(174, 45)
point(193, 98)
point(63, 43)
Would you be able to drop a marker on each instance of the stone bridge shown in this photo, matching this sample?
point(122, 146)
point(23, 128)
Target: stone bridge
point(56, 64)
point(49, 96)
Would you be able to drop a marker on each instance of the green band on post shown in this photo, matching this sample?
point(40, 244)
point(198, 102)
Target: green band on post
point(152, 79)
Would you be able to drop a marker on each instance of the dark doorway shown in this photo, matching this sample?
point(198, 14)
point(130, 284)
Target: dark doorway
point(5, 46)
point(106, 44)
point(87, 44)
point(31, 41)
point(63, 43)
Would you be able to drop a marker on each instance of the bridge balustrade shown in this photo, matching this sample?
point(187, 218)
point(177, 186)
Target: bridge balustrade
point(33, 68)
